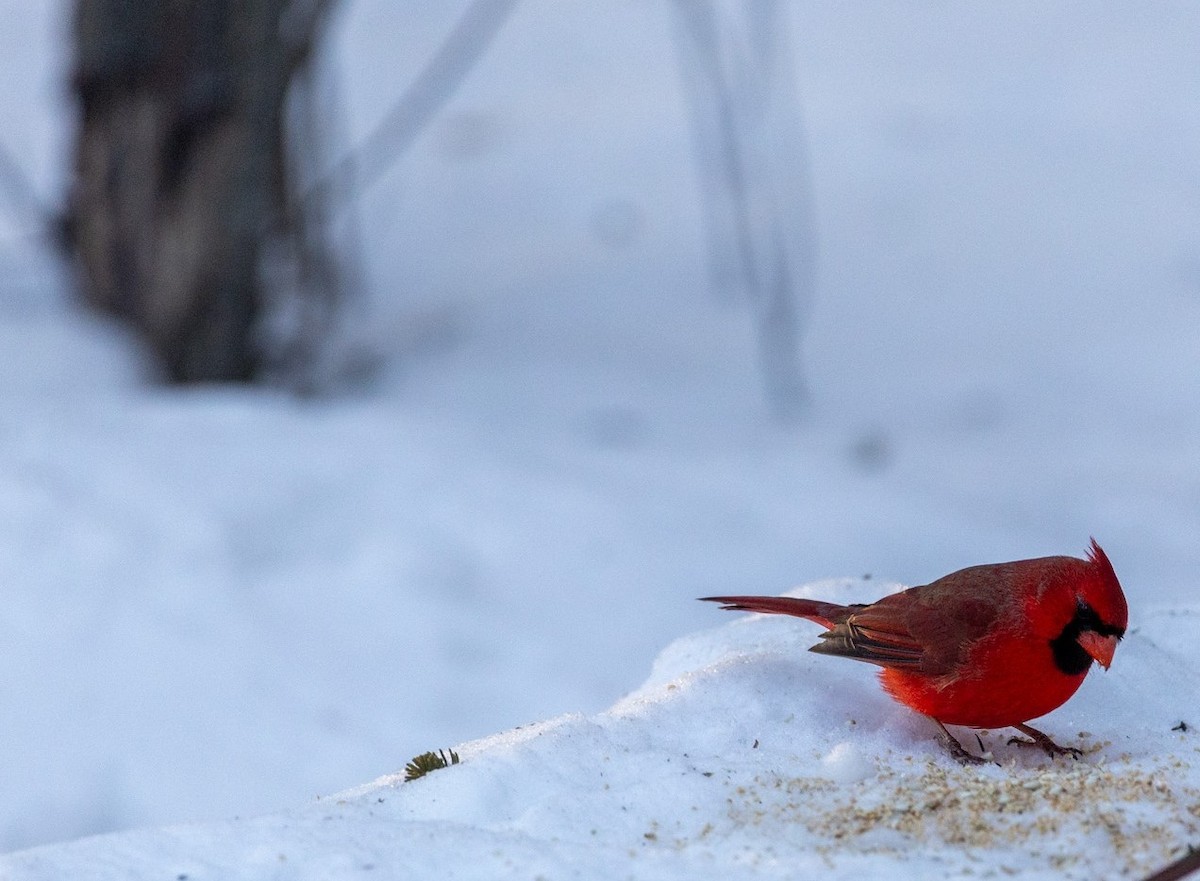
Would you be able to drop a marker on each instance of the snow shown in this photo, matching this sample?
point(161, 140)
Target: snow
point(740, 756)
point(223, 603)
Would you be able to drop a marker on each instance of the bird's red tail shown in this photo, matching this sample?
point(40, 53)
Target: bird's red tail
point(826, 614)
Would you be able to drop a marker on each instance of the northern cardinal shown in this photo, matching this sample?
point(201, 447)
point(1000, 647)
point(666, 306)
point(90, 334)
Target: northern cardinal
point(986, 647)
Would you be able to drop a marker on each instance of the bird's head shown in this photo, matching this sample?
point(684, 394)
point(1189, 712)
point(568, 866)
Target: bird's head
point(1100, 617)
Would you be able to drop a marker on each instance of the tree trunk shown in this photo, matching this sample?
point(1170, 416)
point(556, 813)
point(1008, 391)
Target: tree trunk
point(179, 165)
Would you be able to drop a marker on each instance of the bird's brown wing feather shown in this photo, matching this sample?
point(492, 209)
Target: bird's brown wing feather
point(929, 628)
point(876, 638)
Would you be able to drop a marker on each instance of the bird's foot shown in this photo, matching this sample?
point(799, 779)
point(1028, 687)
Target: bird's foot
point(1038, 739)
point(958, 752)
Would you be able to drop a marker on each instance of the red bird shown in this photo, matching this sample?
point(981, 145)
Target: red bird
point(987, 647)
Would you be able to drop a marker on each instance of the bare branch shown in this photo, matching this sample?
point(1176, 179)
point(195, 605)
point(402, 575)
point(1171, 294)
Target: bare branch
point(21, 195)
point(428, 93)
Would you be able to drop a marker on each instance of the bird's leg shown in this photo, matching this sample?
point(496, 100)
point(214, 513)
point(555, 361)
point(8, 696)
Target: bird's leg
point(956, 749)
point(1044, 741)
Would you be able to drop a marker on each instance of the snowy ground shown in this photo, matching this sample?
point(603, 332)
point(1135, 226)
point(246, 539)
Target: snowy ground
point(222, 603)
point(740, 757)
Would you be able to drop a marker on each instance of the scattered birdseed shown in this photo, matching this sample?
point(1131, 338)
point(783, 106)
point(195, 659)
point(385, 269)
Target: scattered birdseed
point(1077, 815)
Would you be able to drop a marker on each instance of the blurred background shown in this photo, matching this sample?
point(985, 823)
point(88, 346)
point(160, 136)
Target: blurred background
point(379, 376)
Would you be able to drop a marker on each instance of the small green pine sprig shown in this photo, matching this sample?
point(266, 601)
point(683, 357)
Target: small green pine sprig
point(426, 762)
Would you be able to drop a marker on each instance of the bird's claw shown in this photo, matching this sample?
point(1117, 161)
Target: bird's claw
point(965, 758)
point(959, 753)
point(1051, 748)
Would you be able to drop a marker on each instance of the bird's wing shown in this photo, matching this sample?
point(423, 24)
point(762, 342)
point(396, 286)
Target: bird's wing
point(930, 627)
point(876, 635)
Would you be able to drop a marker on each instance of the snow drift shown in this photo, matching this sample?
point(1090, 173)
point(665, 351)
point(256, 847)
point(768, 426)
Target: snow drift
point(741, 756)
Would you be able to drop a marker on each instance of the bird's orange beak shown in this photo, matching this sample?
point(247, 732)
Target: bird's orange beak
point(1099, 647)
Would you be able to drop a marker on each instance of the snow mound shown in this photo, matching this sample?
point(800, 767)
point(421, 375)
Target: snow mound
point(741, 756)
